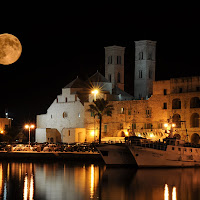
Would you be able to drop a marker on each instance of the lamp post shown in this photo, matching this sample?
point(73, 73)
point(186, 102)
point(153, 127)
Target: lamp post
point(171, 125)
point(95, 92)
point(29, 127)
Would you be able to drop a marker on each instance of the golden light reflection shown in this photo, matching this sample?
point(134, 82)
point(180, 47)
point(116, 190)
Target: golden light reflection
point(174, 193)
point(28, 187)
point(166, 192)
point(31, 188)
point(1, 179)
point(92, 182)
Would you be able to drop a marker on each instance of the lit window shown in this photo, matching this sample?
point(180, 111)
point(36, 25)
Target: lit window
point(79, 115)
point(64, 114)
point(122, 111)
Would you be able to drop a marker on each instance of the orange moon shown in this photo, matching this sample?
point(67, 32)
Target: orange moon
point(10, 49)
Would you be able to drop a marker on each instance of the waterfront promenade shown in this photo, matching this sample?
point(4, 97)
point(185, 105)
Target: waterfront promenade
point(34, 155)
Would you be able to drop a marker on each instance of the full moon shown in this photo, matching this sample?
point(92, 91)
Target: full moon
point(10, 49)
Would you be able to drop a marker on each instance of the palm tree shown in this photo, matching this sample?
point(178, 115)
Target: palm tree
point(100, 108)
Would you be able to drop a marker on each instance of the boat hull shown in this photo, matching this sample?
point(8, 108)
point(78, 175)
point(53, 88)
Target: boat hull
point(147, 157)
point(116, 154)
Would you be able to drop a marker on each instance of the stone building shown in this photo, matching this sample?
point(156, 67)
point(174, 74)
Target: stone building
point(153, 111)
point(5, 123)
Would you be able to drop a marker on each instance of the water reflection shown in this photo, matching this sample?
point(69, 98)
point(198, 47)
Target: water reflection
point(166, 192)
point(92, 181)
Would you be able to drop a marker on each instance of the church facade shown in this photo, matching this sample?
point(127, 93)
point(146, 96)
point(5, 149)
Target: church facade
point(157, 109)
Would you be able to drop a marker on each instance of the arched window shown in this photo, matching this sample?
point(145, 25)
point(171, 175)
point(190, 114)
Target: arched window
point(195, 138)
point(176, 104)
point(118, 77)
point(194, 102)
point(176, 119)
point(194, 120)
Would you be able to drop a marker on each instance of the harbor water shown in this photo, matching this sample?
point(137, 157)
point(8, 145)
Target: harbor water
point(84, 181)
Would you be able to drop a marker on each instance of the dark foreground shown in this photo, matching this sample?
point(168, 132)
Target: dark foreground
point(61, 180)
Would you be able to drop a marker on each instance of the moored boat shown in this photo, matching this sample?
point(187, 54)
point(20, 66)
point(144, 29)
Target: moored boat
point(169, 153)
point(116, 154)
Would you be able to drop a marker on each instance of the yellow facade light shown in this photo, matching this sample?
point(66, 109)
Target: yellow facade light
point(166, 125)
point(173, 125)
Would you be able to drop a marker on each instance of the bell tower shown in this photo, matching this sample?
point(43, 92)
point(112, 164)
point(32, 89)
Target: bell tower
point(114, 65)
point(145, 63)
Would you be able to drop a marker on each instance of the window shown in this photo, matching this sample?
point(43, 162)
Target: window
point(133, 126)
point(164, 105)
point(194, 120)
point(180, 90)
point(118, 59)
point(66, 99)
point(141, 56)
point(197, 88)
point(118, 77)
point(140, 73)
point(129, 111)
point(109, 59)
point(51, 116)
point(122, 111)
point(57, 100)
point(92, 114)
point(165, 91)
point(109, 77)
point(64, 114)
point(121, 126)
point(177, 120)
point(172, 148)
point(105, 128)
point(68, 132)
point(148, 113)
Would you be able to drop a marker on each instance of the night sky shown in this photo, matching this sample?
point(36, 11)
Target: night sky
point(58, 46)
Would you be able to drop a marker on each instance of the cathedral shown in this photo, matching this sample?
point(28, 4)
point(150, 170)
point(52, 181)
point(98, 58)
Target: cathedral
point(157, 109)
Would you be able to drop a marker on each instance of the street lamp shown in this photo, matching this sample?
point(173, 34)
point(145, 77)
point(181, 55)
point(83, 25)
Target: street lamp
point(95, 92)
point(170, 125)
point(29, 127)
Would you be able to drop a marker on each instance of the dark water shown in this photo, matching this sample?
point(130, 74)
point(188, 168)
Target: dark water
point(75, 181)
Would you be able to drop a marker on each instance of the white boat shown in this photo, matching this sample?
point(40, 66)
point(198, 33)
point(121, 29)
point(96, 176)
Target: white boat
point(116, 154)
point(169, 153)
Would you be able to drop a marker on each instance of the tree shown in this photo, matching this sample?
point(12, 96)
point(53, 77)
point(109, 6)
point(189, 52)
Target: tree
point(101, 108)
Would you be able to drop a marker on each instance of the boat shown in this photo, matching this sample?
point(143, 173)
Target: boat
point(171, 152)
point(116, 154)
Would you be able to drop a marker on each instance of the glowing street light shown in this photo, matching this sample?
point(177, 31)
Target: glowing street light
point(29, 127)
point(95, 92)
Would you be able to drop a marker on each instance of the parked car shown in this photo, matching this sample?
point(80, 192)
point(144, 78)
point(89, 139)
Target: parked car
point(27, 148)
point(50, 147)
point(18, 147)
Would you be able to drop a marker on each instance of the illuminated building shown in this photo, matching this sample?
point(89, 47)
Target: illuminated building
point(153, 105)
